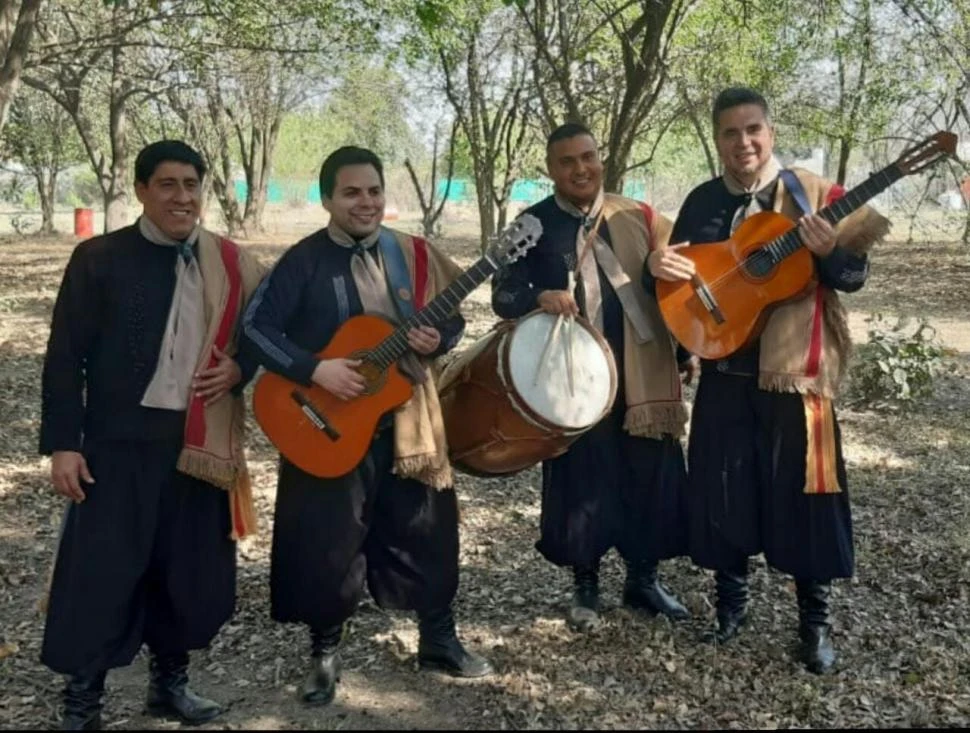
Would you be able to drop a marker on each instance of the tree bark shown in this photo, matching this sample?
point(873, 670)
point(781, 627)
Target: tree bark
point(46, 188)
point(115, 190)
point(16, 52)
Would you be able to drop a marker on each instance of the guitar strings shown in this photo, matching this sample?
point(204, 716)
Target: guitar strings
point(391, 348)
point(760, 256)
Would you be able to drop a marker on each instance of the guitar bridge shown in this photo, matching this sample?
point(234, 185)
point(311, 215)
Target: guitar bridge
point(707, 299)
point(316, 418)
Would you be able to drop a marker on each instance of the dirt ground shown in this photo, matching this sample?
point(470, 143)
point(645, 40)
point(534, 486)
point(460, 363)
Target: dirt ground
point(902, 625)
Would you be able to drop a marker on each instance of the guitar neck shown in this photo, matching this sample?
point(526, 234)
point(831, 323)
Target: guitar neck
point(790, 242)
point(441, 307)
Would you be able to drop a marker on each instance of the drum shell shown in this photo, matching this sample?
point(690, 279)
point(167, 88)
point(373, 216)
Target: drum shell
point(491, 430)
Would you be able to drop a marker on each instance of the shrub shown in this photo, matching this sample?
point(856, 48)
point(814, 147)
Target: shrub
point(898, 363)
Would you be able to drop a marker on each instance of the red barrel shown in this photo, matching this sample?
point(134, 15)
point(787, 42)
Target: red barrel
point(83, 223)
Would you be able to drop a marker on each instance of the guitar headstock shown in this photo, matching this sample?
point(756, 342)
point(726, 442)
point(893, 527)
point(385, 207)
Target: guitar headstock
point(518, 238)
point(928, 152)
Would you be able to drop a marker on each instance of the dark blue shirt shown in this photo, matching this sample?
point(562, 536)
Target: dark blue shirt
point(298, 308)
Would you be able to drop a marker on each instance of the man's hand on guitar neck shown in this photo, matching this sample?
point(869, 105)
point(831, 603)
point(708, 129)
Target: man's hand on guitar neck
point(668, 264)
point(817, 234)
point(424, 339)
point(340, 377)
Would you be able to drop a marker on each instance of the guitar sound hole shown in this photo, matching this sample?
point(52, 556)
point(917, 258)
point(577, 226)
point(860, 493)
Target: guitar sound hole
point(374, 375)
point(759, 263)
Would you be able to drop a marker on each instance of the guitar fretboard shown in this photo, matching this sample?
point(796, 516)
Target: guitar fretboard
point(393, 347)
point(789, 243)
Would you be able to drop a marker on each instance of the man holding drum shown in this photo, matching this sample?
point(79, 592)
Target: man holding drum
point(621, 484)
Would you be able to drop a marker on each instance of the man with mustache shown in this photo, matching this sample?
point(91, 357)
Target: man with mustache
point(392, 522)
point(621, 484)
point(143, 416)
point(766, 472)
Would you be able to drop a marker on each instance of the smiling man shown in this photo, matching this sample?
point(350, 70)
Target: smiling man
point(621, 484)
point(392, 522)
point(143, 418)
point(765, 456)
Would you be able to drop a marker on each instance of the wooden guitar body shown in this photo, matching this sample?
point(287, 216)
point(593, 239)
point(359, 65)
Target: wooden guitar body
point(318, 432)
point(742, 285)
point(329, 437)
point(723, 308)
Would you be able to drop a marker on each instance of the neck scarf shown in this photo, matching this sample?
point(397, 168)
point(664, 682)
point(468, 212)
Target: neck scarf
point(171, 384)
point(752, 203)
point(598, 254)
point(367, 270)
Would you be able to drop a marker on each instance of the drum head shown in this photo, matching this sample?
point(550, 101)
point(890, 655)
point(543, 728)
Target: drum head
point(545, 387)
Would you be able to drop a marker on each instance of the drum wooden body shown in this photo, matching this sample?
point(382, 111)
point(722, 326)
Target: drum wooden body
point(503, 414)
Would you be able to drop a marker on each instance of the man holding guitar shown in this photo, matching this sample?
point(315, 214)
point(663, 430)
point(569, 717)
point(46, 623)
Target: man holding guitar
point(765, 466)
point(393, 519)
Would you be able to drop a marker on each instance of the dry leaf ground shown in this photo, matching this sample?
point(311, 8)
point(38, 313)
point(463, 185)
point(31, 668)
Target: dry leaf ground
point(901, 625)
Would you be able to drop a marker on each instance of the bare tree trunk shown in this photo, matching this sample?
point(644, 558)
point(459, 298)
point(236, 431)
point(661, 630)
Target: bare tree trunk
point(210, 128)
point(258, 166)
point(115, 193)
point(486, 205)
point(431, 207)
point(702, 138)
point(252, 222)
point(845, 149)
point(225, 193)
point(615, 166)
point(15, 53)
point(46, 186)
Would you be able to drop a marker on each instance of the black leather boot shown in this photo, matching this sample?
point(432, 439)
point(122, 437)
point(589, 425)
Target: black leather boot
point(732, 604)
point(82, 702)
point(814, 629)
point(321, 682)
point(439, 647)
point(642, 591)
point(169, 694)
point(584, 614)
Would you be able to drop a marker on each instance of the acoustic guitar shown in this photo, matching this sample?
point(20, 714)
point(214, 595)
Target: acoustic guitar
point(724, 306)
point(327, 436)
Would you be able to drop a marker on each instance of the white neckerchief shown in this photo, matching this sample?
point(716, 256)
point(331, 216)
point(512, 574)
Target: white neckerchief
point(178, 357)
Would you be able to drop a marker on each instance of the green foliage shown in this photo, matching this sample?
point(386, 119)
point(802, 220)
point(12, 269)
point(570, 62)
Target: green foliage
point(365, 109)
point(898, 363)
point(40, 135)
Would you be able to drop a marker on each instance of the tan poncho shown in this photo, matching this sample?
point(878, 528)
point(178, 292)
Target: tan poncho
point(420, 445)
point(213, 447)
point(653, 389)
point(805, 344)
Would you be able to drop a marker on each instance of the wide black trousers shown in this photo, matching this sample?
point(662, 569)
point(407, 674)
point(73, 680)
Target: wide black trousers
point(746, 462)
point(146, 558)
point(330, 536)
point(611, 489)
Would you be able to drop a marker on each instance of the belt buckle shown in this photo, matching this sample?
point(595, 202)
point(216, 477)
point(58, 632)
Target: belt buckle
point(722, 366)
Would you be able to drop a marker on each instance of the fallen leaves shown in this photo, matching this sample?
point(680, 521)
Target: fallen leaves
point(901, 626)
